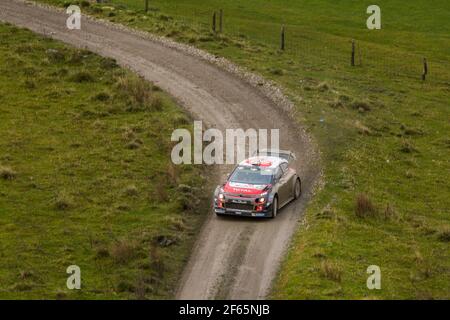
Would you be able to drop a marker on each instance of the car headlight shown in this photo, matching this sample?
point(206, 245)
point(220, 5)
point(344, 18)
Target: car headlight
point(221, 196)
point(261, 200)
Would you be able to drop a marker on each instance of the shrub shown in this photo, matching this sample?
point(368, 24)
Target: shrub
point(133, 145)
point(140, 94)
point(85, 3)
point(160, 193)
point(22, 287)
point(108, 63)
point(102, 96)
point(276, 71)
point(83, 76)
point(331, 271)
point(7, 173)
point(26, 274)
point(362, 129)
point(361, 106)
point(55, 55)
point(125, 286)
point(407, 147)
point(134, 87)
point(102, 253)
point(156, 103)
point(444, 235)
point(172, 173)
point(123, 251)
point(156, 261)
point(389, 212)
point(131, 191)
point(364, 206)
point(323, 86)
point(63, 202)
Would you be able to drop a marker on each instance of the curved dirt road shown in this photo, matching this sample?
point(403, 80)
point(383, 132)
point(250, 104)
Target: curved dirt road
point(233, 258)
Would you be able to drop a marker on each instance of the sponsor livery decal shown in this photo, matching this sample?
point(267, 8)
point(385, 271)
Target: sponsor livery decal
point(243, 188)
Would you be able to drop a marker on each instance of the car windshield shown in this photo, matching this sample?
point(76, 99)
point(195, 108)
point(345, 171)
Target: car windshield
point(252, 175)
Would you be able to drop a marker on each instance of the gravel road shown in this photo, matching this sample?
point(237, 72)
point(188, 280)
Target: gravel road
point(232, 258)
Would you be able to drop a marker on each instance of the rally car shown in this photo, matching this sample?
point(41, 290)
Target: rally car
point(259, 186)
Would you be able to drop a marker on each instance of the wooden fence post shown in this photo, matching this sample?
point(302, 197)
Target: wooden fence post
point(425, 69)
point(214, 21)
point(146, 6)
point(283, 38)
point(221, 21)
point(353, 53)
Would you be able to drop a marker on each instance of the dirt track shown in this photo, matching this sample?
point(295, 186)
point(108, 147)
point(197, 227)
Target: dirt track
point(233, 258)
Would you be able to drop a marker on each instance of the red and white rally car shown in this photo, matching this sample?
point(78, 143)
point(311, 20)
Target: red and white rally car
point(259, 186)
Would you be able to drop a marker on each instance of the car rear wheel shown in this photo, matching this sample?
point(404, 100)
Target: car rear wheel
point(274, 207)
point(297, 189)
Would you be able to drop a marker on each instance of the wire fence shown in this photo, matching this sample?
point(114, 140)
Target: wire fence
point(314, 49)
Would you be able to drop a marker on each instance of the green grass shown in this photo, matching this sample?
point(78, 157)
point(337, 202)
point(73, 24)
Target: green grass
point(86, 176)
point(382, 131)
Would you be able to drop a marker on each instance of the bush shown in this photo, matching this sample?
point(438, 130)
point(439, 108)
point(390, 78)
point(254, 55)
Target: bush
point(7, 173)
point(444, 235)
point(407, 147)
point(102, 253)
point(331, 271)
point(63, 202)
point(364, 206)
point(55, 55)
point(322, 87)
point(156, 103)
point(83, 76)
point(102, 96)
point(389, 212)
point(361, 106)
point(131, 191)
point(108, 63)
point(85, 4)
point(122, 251)
point(139, 93)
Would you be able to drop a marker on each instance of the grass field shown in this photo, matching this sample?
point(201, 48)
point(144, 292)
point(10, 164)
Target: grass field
point(86, 177)
point(383, 132)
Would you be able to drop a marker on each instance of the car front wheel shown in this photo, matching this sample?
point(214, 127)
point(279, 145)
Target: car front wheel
point(297, 189)
point(274, 207)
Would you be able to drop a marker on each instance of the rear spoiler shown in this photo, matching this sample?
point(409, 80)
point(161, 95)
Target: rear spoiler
point(283, 154)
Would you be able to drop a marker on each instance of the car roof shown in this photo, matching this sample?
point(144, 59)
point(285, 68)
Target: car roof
point(266, 162)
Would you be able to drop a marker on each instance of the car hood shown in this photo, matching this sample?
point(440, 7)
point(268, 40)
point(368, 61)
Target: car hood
point(244, 188)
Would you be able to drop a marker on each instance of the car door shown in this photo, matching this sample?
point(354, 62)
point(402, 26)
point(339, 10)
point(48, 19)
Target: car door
point(286, 183)
point(282, 187)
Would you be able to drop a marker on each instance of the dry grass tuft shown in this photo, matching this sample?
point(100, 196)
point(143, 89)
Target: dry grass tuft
point(7, 173)
point(83, 76)
point(361, 106)
point(157, 261)
point(444, 235)
point(323, 87)
point(140, 94)
point(63, 202)
point(123, 251)
point(362, 129)
point(389, 212)
point(407, 147)
point(364, 206)
point(331, 271)
point(131, 191)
